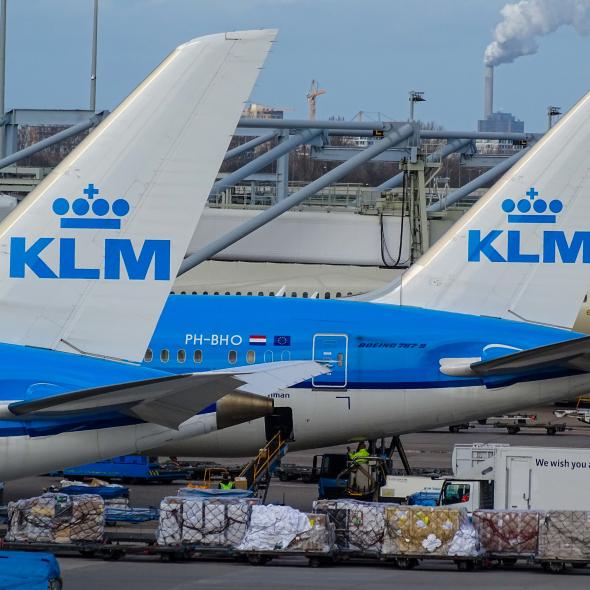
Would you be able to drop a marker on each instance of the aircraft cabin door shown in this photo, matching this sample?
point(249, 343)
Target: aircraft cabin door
point(333, 350)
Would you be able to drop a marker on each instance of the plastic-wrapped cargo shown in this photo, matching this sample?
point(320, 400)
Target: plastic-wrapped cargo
point(170, 523)
point(416, 530)
point(274, 528)
point(57, 518)
point(318, 539)
point(507, 532)
point(564, 535)
point(359, 526)
point(465, 543)
point(220, 522)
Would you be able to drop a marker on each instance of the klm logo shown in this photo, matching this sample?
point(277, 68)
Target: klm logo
point(554, 246)
point(120, 257)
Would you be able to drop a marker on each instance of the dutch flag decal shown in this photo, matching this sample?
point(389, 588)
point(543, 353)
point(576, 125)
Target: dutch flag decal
point(257, 340)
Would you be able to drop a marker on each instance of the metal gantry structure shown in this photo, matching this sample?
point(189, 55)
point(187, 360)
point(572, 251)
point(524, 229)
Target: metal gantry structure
point(389, 142)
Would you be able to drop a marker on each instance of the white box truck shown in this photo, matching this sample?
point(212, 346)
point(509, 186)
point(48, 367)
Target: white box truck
point(507, 477)
point(398, 488)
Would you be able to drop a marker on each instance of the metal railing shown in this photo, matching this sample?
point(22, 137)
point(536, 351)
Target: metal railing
point(263, 462)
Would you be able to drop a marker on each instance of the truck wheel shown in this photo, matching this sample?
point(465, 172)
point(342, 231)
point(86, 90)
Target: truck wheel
point(454, 429)
point(258, 559)
point(114, 555)
point(513, 429)
point(465, 566)
point(556, 567)
point(551, 430)
point(407, 563)
point(509, 561)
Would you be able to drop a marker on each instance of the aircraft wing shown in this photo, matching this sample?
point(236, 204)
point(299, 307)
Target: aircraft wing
point(571, 354)
point(172, 399)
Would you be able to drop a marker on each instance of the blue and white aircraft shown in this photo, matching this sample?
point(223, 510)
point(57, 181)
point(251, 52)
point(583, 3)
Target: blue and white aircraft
point(87, 262)
point(480, 325)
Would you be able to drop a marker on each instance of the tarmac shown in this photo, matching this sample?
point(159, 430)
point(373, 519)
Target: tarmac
point(427, 450)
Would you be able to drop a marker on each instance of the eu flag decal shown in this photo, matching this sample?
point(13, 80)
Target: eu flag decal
point(282, 341)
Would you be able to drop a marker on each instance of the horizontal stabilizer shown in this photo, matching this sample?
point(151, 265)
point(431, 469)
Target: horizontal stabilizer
point(568, 355)
point(171, 400)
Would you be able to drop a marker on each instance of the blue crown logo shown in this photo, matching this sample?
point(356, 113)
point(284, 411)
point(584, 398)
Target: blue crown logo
point(100, 208)
point(531, 210)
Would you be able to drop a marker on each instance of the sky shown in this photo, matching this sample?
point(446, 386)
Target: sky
point(367, 54)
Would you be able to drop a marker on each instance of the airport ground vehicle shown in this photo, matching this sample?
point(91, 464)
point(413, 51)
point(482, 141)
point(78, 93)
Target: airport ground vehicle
point(514, 423)
point(399, 488)
point(509, 477)
point(340, 477)
point(130, 468)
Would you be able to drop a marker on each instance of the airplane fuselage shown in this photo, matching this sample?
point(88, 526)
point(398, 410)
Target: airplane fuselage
point(385, 365)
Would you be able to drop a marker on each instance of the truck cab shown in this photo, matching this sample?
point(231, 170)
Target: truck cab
point(469, 494)
point(331, 465)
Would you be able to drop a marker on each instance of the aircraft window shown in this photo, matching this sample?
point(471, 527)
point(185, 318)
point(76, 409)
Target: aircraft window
point(294, 294)
point(327, 295)
point(195, 293)
point(232, 357)
point(205, 293)
point(268, 356)
point(340, 359)
point(249, 293)
point(172, 293)
point(338, 294)
point(227, 293)
point(272, 293)
point(349, 294)
point(198, 357)
point(164, 355)
point(149, 355)
point(251, 357)
point(260, 293)
point(285, 355)
point(216, 293)
point(181, 356)
point(238, 292)
point(305, 294)
point(183, 292)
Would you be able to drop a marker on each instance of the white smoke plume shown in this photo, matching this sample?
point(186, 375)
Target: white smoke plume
point(525, 21)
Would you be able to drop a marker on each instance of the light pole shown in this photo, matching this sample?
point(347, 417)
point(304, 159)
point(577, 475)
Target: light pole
point(2, 73)
point(414, 97)
point(552, 111)
point(93, 64)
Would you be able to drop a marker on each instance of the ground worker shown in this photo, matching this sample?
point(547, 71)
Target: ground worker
point(361, 455)
point(226, 484)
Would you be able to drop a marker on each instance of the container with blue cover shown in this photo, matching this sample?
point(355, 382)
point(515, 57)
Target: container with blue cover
point(20, 570)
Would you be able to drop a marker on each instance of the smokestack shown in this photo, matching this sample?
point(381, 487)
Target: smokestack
point(488, 92)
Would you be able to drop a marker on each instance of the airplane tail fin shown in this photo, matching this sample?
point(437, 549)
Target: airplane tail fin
point(88, 259)
point(523, 251)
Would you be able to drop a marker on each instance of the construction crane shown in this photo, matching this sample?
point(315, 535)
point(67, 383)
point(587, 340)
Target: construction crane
point(312, 96)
